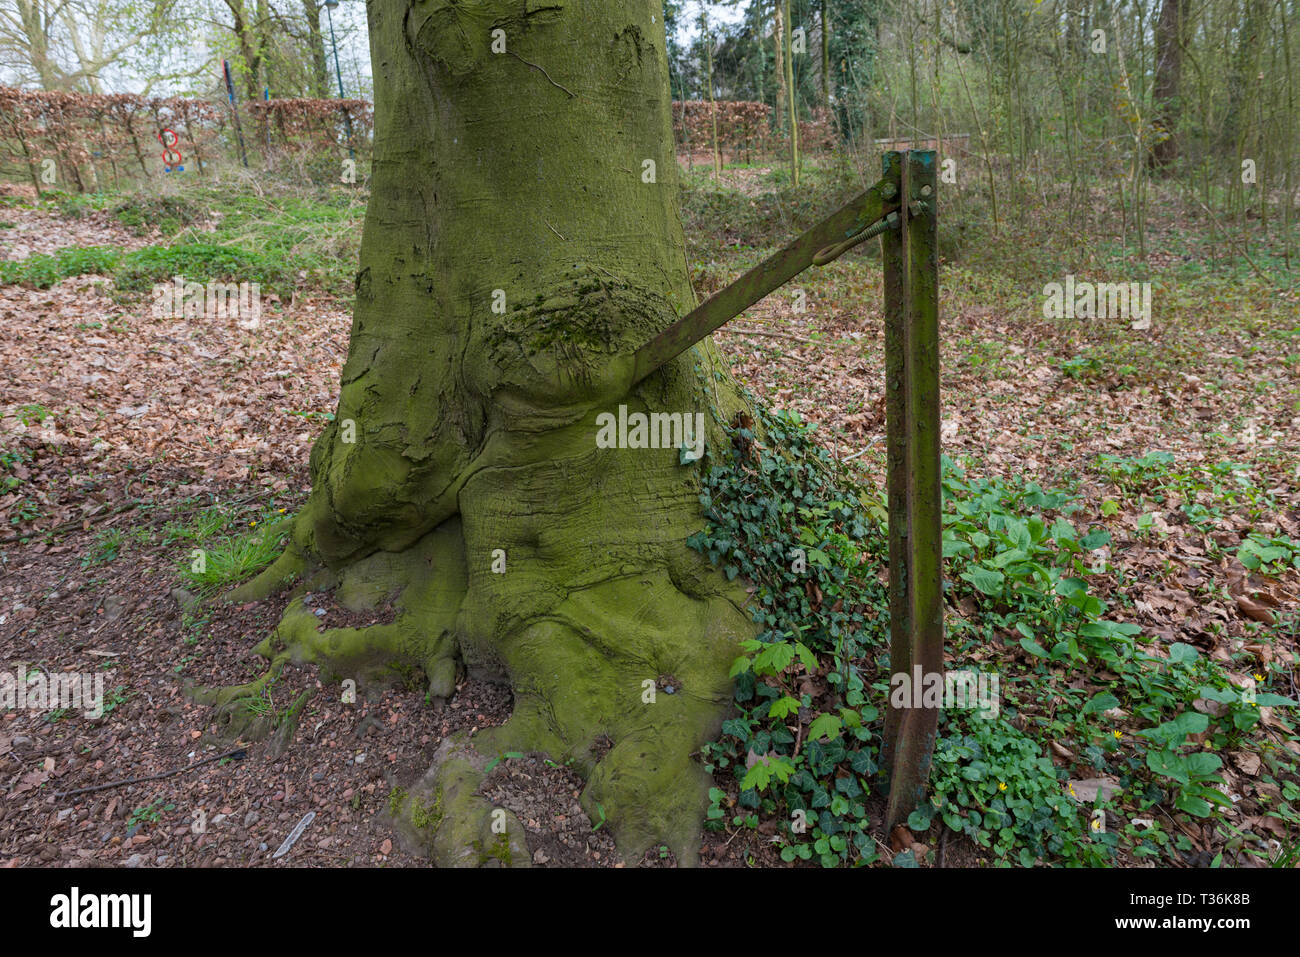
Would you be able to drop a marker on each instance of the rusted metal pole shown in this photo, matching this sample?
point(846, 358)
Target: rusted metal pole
point(920, 596)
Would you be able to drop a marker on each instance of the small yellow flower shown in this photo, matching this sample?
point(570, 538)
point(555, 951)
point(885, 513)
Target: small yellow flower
point(1002, 785)
point(251, 524)
point(1259, 677)
point(282, 511)
point(1117, 735)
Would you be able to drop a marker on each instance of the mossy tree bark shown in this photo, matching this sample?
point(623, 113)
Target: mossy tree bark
point(522, 240)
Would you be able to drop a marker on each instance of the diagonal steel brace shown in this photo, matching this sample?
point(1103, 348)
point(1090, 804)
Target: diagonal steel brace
point(867, 215)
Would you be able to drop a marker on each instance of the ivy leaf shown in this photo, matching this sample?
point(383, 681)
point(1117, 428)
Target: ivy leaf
point(906, 859)
point(784, 707)
point(824, 726)
point(768, 767)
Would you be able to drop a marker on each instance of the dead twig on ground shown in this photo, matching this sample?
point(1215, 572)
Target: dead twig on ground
point(237, 754)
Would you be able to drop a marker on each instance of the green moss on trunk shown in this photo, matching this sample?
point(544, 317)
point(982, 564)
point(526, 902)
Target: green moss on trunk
point(517, 249)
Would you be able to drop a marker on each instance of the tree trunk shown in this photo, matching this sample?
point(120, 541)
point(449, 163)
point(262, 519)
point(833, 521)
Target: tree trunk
point(249, 48)
point(791, 93)
point(522, 240)
point(320, 78)
point(713, 104)
point(778, 34)
point(826, 59)
point(1243, 75)
point(34, 21)
point(1167, 92)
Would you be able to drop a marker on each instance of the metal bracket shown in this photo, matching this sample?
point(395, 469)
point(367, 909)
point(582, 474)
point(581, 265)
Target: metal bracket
point(832, 253)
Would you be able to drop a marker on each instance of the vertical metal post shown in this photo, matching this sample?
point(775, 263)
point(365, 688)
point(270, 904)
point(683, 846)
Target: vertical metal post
point(338, 71)
point(915, 504)
point(234, 110)
point(894, 255)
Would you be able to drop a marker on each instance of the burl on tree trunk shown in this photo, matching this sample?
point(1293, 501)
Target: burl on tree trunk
point(521, 241)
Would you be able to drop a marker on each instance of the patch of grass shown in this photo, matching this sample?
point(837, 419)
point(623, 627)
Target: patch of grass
point(142, 269)
point(43, 270)
point(146, 211)
point(313, 231)
point(772, 212)
point(78, 205)
point(235, 557)
point(203, 525)
point(107, 546)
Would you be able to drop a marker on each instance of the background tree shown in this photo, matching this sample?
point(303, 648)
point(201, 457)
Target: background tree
point(1168, 81)
point(791, 96)
point(320, 79)
point(70, 45)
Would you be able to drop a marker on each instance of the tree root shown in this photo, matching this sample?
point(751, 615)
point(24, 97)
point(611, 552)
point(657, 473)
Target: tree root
point(565, 572)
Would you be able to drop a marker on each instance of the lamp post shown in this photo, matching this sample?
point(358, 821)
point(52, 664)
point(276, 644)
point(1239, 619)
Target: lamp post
point(338, 73)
